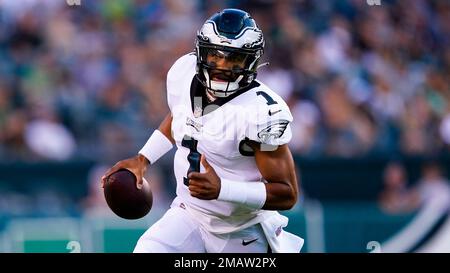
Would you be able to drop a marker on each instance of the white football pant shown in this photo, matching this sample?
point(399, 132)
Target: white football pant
point(177, 232)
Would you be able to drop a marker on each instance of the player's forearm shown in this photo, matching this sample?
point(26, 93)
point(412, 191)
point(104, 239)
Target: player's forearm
point(166, 127)
point(280, 196)
point(258, 195)
point(159, 143)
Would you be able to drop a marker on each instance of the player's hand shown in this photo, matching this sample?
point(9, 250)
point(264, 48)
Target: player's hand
point(205, 185)
point(137, 165)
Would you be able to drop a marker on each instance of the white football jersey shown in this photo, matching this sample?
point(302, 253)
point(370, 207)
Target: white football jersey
point(218, 131)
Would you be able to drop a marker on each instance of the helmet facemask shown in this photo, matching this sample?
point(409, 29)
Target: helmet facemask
point(237, 71)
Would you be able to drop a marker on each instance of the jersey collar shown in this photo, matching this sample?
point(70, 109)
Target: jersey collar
point(199, 101)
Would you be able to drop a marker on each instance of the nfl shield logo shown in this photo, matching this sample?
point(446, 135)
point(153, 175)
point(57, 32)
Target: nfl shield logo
point(197, 111)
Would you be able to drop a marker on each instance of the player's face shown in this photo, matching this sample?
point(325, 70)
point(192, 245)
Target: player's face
point(223, 60)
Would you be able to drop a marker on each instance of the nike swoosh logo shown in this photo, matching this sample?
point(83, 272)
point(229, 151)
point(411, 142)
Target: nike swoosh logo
point(244, 243)
point(273, 113)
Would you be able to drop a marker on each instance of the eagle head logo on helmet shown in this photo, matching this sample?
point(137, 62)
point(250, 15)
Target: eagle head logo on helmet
point(231, 34)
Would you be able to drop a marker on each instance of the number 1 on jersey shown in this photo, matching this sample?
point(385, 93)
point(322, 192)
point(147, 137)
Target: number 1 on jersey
point(193, 157)
point(268, 98)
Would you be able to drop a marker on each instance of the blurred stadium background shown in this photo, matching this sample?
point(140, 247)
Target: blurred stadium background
point(83, 86)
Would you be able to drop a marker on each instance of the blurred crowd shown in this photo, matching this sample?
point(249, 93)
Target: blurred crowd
point(402, 195)
point(88, 81)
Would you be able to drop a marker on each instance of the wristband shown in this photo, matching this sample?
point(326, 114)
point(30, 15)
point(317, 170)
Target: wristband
point(157, 145)
point(252, 194)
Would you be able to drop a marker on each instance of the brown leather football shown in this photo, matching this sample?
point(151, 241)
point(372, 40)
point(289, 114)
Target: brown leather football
point(124, 198)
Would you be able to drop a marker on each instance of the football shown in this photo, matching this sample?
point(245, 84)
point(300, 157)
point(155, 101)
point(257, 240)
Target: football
point(124, 198)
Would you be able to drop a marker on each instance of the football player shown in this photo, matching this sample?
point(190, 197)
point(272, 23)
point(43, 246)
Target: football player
point(233, 167)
